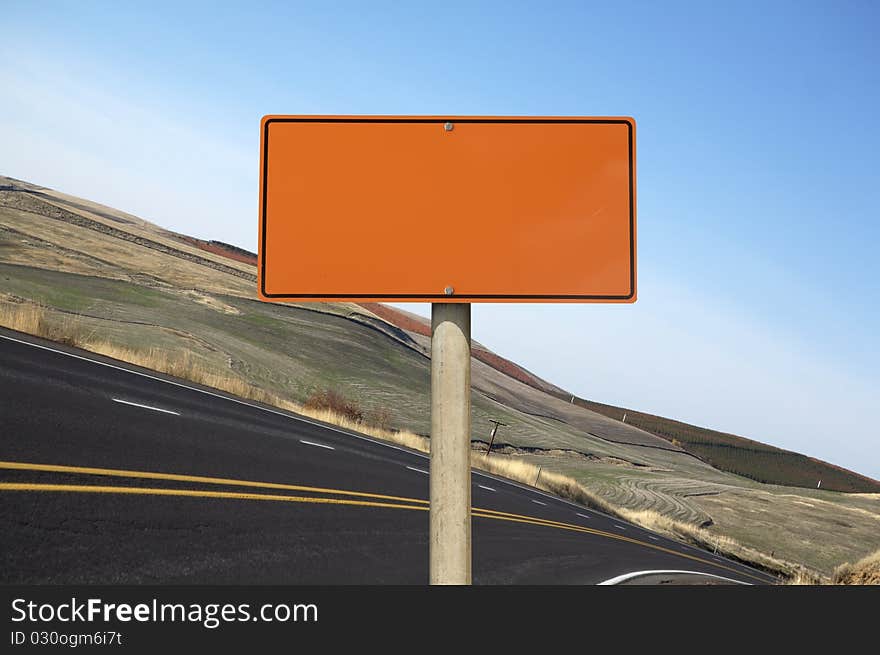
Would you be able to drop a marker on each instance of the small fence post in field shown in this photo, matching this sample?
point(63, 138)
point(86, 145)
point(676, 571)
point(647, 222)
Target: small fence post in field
point(492, 436)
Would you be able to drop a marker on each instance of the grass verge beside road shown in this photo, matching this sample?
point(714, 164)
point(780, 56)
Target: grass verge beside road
point(866, 571)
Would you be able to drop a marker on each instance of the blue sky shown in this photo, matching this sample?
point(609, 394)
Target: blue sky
point(758, 184)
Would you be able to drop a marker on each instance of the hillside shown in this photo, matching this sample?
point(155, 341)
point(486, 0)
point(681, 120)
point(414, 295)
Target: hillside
point(745, 457)
point(105, 276)
point(727, 452)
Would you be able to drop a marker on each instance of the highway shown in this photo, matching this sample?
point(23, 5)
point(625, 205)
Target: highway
point(112, 474)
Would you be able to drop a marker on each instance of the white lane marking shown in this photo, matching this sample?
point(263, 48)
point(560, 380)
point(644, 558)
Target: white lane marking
point(482, 486)
point(538, 502)
point(413, 468)
point(584, 515)
point(292, 417)
point(637, 574)
point(155, 409)
point(619, 527)
point(319, 445)
point(650, 536)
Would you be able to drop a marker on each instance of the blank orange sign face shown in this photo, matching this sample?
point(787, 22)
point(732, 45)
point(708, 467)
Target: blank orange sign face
point(447, 209)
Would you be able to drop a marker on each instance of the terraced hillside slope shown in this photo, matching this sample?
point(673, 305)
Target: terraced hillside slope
point(745, 457)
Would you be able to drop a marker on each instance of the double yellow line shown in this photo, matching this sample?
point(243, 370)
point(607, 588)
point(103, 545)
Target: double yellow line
point(337, 497)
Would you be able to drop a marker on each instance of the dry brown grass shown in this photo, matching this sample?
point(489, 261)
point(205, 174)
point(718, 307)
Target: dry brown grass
point(181, 365)
point(332, 400)
point(25, 317)
point(703, 538)
point(33, 318)
point(804, 577)
point(864, 572)
point(402, 437)
point(527, 473)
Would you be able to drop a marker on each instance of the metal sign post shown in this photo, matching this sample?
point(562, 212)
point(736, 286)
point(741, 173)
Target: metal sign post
point(450, 513)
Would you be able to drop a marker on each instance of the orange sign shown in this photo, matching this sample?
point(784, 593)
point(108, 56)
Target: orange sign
point(447, 209)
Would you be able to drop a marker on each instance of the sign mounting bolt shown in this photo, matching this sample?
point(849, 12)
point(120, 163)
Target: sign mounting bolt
point(448, 126)
point(448, 291)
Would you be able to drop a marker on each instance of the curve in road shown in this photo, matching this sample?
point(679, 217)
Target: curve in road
point(110, 473)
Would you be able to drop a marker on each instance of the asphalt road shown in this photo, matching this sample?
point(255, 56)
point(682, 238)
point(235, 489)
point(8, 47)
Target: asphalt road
point(112, 474)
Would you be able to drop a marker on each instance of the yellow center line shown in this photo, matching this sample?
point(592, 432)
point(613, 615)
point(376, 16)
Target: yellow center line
point(197, 493)
point(148, 475)
point(400, 502)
